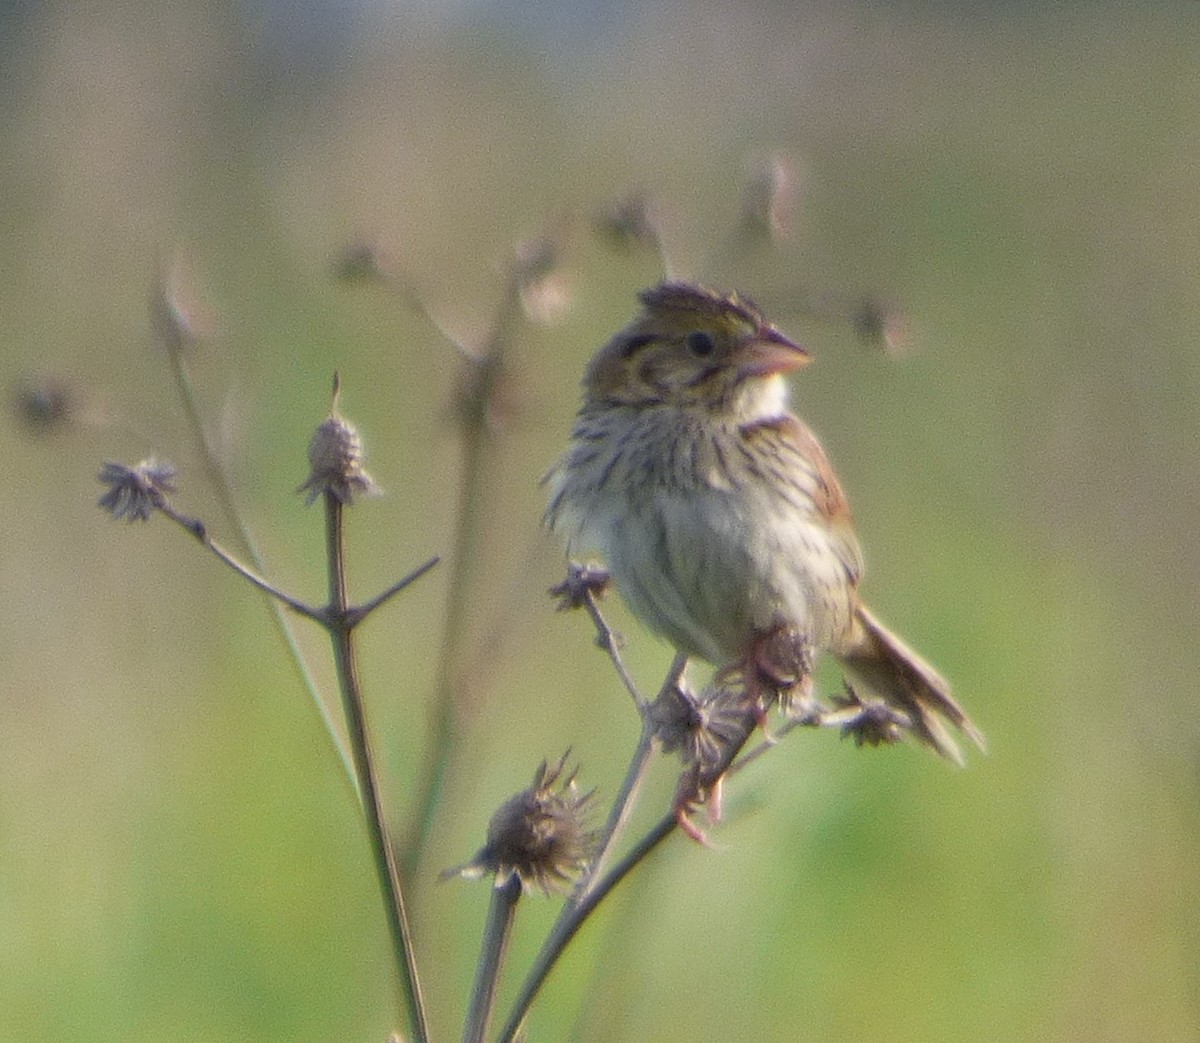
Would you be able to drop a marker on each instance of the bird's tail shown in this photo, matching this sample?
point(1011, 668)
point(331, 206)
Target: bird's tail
point(895, 673)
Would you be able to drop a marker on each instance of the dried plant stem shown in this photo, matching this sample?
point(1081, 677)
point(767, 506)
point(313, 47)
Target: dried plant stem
point(360, 612)
point(622, 807)
point(412, 298)
point(568, 925)
point(463, 555)
point(496, 932)
point(599, 884)
point(609, 641)
point(468, 532)
point(283, 627)
point(619, 814)
point(198, 529)
point(386, 865)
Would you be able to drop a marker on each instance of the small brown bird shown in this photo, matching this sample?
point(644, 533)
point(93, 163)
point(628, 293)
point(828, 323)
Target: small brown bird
point(718, 513)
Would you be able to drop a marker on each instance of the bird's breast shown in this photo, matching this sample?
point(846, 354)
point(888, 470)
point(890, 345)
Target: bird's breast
point(711, 537)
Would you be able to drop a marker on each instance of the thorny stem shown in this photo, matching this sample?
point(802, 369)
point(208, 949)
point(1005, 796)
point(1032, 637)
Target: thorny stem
point(496, 933)
point(386, 866)
point(469, 518)
point(220, 483)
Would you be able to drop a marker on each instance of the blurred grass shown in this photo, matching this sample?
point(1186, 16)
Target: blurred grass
point(179, 856)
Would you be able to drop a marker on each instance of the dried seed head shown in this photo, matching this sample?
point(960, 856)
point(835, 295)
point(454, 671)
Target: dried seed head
point(540, 835)
point(135, 493)
point(703, 728)
point(780, 669)
point(45, 405)
point(870, 723)
point(335, 458)
point(583, 582)
point(630, 221)
point(175, 311)
point(363, 261)
point(544, 288)
point(770, 196)
point(881, 325)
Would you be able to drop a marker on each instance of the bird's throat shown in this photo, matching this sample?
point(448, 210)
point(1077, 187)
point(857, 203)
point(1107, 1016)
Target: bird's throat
point(759, 399)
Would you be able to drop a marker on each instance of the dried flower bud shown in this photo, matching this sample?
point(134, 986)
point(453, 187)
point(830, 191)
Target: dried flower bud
point(363, 261)
point(583, 581)
point(539, 835)
point(870, 723)
point(175, 312)
point(543, 286)
point(704, 728)
point(45, 405)
point(630, 221)
point(770, 195)
point(782, 667)
point(881, 325)
point(335, 458)
point(135, 493)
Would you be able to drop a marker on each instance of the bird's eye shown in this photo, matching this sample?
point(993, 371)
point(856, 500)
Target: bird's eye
point(700, 343)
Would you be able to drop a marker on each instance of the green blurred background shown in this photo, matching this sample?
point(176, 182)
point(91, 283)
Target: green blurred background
point(180, 857)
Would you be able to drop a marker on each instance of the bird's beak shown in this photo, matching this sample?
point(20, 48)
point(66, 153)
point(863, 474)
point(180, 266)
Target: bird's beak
point(769, 352)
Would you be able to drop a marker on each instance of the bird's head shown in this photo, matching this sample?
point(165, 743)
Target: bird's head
point(691, 346)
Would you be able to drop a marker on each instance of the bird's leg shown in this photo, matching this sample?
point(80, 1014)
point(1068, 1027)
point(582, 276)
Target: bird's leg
point(779, 669)
point(775, 670)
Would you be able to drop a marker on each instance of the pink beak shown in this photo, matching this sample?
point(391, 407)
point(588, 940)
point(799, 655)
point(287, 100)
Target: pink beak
point(769, 352)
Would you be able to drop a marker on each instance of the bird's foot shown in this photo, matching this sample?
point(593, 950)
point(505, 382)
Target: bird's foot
point(697, 790)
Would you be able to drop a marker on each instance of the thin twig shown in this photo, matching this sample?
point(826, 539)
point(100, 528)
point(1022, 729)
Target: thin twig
point(406, 290)
point(386, 865)
point(360, 612)
point(583, 587)
point(597, 883)
point(493, 949)
point(609, 641)
point(198, 529)
point(619, 814)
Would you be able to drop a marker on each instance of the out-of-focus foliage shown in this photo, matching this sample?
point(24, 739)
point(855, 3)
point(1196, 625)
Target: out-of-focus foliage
point(179, 854)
